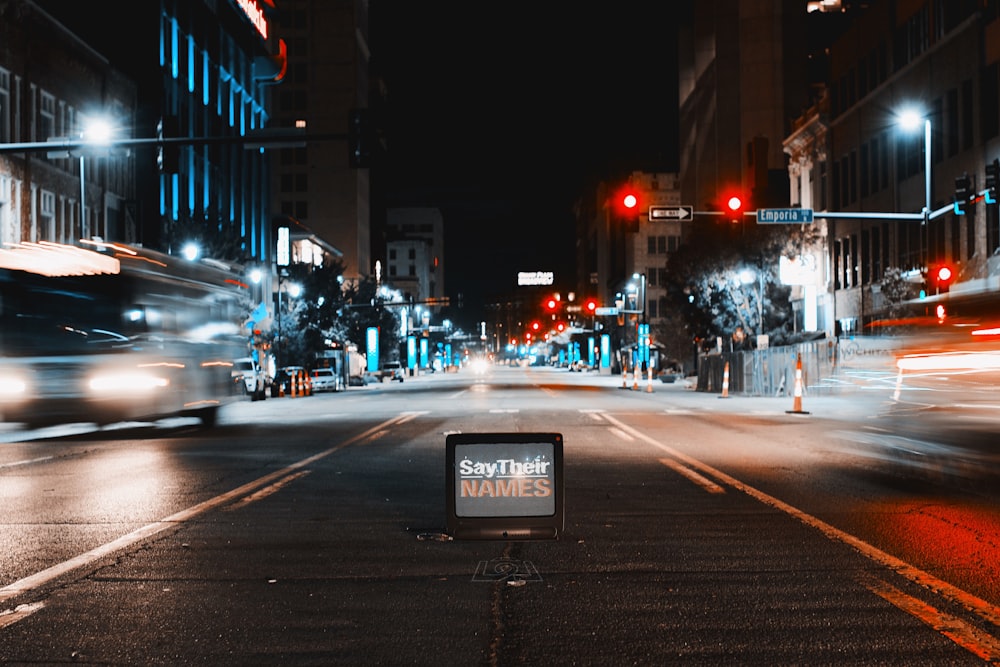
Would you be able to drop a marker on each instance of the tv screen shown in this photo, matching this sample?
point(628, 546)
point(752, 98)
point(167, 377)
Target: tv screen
point(504, 485)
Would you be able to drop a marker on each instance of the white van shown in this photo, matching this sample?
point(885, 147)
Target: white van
point(247, 373)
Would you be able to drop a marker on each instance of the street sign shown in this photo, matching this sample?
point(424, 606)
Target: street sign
point(784, 216)
point(606, 310)
point(670, 212)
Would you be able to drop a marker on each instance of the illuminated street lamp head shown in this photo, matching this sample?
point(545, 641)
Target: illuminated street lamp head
point(97, 131)
point(911, 119)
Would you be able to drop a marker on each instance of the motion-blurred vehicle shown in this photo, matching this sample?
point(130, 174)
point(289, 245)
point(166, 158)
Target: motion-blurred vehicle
point(942, 416)
point(110, 333)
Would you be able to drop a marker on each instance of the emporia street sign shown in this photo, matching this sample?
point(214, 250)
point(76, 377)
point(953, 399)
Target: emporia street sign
point(670, 212)
point(784, 216)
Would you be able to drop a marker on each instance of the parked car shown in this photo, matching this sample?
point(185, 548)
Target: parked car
point(391, 370)
point(324, 379)
point(250, 378)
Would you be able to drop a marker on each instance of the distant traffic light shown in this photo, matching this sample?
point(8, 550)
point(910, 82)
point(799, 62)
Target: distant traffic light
point(590, 306)
point(168, 154)
point(359, 133)
point(552, 304)
point(630, 201)
point(992, 178)
point(963, 193)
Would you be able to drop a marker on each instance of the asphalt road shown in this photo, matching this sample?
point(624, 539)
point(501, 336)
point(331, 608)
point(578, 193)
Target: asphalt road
point(698, 530)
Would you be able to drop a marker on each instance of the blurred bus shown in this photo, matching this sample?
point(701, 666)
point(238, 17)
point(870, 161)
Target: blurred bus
point(112, 333)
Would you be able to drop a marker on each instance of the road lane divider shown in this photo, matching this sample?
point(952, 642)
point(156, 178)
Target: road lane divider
point(701, 481)
point(985, 610)
point(20, 612)
point(965, 635)
point(43, 577)
point(621, 434)
point(268, 490)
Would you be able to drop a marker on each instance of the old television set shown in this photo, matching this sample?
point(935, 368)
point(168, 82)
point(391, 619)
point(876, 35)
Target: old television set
point(504, 486)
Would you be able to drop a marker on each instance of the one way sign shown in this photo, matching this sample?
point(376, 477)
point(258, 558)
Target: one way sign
point(670, 212)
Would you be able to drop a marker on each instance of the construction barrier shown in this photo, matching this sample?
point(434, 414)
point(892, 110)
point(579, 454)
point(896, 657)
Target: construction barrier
point(725, 382)
point(797, 401)
point(649, 379)
point(299, 384)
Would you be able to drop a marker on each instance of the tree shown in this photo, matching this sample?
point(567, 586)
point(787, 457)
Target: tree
point(705, 287)
point(329, 312)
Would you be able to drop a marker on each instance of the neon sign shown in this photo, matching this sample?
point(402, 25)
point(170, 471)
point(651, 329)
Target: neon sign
point(255, 14)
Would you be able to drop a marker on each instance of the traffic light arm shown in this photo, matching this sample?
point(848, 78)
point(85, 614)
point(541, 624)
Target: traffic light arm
point(77, 146)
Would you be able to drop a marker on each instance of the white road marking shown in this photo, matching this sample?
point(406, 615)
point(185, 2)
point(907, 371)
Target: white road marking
point(21, 611)
point(35, 581)
point(976, 605)
point(26, 462)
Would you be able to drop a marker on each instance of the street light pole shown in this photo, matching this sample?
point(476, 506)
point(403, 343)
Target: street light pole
point(910, 120)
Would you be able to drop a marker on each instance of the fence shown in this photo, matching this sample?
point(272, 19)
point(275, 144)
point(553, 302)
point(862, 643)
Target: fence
point(771, 372)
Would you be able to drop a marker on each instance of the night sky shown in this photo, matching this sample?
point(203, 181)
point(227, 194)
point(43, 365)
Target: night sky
point(504, 115)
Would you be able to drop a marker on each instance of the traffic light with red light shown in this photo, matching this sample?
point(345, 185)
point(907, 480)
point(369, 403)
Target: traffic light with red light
point(552, 304)
point(942, 276)
point(590, 306)
point(734, 206)
point(628, 204)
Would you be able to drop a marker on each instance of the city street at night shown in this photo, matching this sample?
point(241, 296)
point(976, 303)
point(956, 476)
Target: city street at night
point(313, 530)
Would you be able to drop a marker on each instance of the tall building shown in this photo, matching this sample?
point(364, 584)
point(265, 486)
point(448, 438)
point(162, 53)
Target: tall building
point(742, 77)
point(202, 69)
point(327, 82)
point(851, 156)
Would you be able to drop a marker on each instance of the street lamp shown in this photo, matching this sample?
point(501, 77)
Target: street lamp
point(910, 121)
point(97, 132)
point(294, 290)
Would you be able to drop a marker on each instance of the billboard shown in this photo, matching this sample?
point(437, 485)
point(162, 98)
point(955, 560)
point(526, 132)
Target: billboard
point(504, 486)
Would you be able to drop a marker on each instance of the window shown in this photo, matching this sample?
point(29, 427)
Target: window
point(46, 116)
point(47, 216)
point(4, 106)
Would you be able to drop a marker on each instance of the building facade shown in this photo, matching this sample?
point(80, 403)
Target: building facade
point(415, 253)
point(54, 85)
point(327, 79)
point(852, 156)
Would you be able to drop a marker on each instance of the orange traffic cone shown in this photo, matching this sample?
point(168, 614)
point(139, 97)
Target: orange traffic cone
point(725, 381)
point(797, 403)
